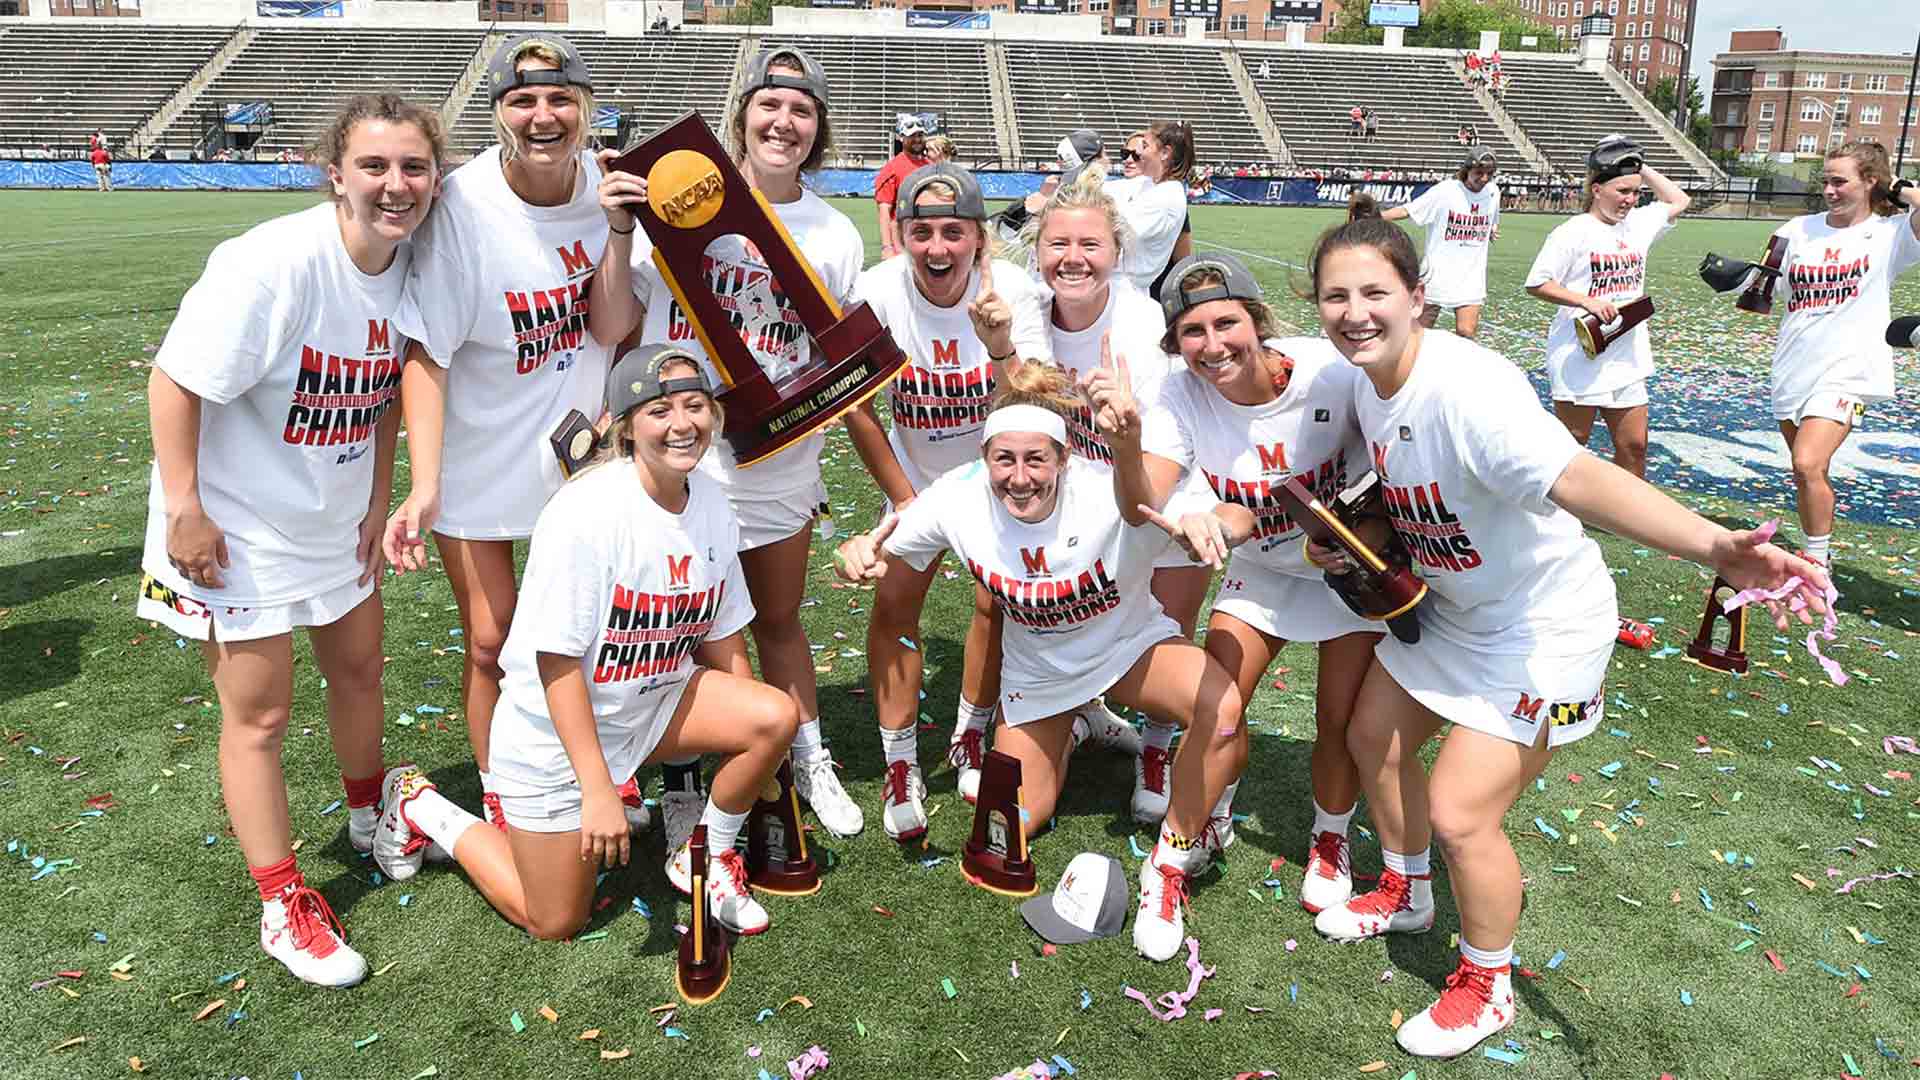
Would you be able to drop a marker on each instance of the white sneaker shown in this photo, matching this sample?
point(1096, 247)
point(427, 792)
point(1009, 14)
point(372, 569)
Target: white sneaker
point(1398, 905)
point(363, 822)
point(817, 783)
point(298, 929)
point(679, 812)
point(1107, 731)
point(966, 752)
point(731, 898)
point(1329, 880)
point(1150, 785)
point(903, 811)
point(1159, 926)
point(397, 848)
point(1477, 1002)
point(635, 806)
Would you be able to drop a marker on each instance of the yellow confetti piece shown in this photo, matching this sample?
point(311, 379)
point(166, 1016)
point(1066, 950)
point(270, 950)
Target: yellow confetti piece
point(667, 1007)
point(1805, 881)
point(209, 1009)
point(69, 992)
point(616, 1055)
point(957, 1053)
point(1396, 1020)
point(801, 999)
point(386, 967)
point(1062, 1037)
point(121, 975)
point(551, 1016)
point(75, 1041)
point(136, 1064)
point(1373, 1066)
point(1857, 939)
point(590, 1034)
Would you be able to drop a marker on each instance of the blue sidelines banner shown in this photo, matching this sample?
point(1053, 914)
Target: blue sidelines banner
point(946, 20)
point(299, 9)
point(1293, 191)
point(165, 175)
point(250, 114)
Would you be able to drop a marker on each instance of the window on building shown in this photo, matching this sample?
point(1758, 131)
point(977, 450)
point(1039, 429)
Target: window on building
point(1640, 76)
point(1213, 24)
point(1236, 24)
point(1644, 50)
point(1876, 82)
point(1633, 7)
point(1846, 80)
point(1646, 29)
point(1630, 29)
point(1773, 78)
point(1810, 109)
point(1763, 143)
point(1177, 27)
point(1613, 7)
point(1156, 27)
point(1834, 138)
point(1807, 144)
point(1766, 110)
point(1816, 80)
point(1869, 114)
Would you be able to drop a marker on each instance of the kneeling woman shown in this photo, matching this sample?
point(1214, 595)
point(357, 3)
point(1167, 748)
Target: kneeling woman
point(1488, 492)
point(1071, 578)
point(634, 655)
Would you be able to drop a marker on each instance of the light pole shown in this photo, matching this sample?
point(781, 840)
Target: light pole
point(1906, 118)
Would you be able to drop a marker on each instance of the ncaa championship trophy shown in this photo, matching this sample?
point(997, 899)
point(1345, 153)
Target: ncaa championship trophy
point(703, 966)
point(777, 858)
point(1382, 585)
point(1733, 655)
point(1595, 336)
point(995, 856)
point(1755, 280)
point(695, 195)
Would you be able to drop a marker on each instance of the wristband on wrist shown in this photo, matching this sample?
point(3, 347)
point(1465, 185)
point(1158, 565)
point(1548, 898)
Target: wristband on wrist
point(1899, 188)
point(623, 232)
point(1003, 359)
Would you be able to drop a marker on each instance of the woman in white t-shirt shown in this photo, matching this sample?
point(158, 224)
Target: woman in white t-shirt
point(1041, 532)
point(497, 304)
point(963, 318)
point(1488, 493)
point(271, 406)
point(633, 654)
point(1595, 264)
point(1462, 219)
point(1250, 411)
point(1154, 203)
point(781, 132)
point(1832, 358)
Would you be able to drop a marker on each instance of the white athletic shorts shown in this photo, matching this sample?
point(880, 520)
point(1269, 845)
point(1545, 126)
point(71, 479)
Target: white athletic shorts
point(548, 809)
point(1286, 606)
point(1023, 701)
point(1508, 697)
point(1626, 397)
point(209, 620)
point(1835, 405)
point(768, 519)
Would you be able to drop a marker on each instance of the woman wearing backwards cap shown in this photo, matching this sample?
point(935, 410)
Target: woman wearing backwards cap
point(1462, 219)
point(780, 132)
point(1041, 532)
point(496, 301)
point(633, 654)
point(964, 320)
point(1594, 264)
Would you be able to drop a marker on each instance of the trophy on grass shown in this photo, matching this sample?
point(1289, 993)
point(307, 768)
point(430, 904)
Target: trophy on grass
point(1596, 336)
point(696, 195)
point(1382, 585)
point(1755, 280)
point(995, 856)
point(704, 965)
point(777, 858)
point(1733, 655)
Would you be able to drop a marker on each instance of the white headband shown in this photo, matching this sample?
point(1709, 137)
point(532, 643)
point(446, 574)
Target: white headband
point(1025, 418)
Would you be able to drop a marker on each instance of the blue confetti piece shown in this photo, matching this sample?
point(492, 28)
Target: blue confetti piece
point(377, 879)
point(763, 1014)
point(1559, 957)
point(99, 937)
point(1293, 992)
point(1706, 901)
point(1505, 1057)
point(330, 808)
point(1064, 1065)
point(641, 909)
point(210, 840)
point(1864, 974)
point(1831, 970)
point(676, 1033)
point(1086, 1000)
point(456, 632)
point(1611, 769)
point(433, 710)
point(1618, 734)
point(1686, 998)
point(1134, 843)
point(228, 977)
point(1546, 830)
point(406, 899)
point(764, 1075)
point(909, 643)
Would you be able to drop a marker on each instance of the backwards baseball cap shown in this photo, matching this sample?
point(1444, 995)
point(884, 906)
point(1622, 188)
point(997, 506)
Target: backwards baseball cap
point(905, 124)
point(636, 380)
point(502, 78)
point(1477, 155)
point(1079, 147)
point(1236, 283)
point(1614, 157)
point(812, 78)
point(966, 202)
point(1090, 902)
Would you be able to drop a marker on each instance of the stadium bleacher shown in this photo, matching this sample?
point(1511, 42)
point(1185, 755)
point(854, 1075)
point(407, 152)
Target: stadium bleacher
point(60, 83)
point(1565, 110)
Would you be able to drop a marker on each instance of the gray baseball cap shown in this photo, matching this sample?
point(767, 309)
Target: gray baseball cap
point(1615, 156)
point(502, 78)
point(1477, 155)
point(636, 380)
point(1089, 902)
point(967, 201)
point(812, 79)
point(1079, 147)
point(1176, 300)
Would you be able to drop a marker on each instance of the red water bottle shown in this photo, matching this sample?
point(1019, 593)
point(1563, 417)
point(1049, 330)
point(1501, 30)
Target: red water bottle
point(1637, 634)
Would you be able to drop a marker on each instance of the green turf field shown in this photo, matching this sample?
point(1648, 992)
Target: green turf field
point(1665, 872)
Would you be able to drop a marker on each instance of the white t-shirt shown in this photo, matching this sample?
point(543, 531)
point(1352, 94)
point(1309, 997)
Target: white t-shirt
point(1460, 225)
point(939, 401)
point(498, 295)
point(765, 320)
point(1836, 287)
point(290, 348)
point(1134, 326)
point(1469, 457)
point(632, 590)
point(1074, 588)
point(1586, 255)
point(1156, 212)
point(1244, 452)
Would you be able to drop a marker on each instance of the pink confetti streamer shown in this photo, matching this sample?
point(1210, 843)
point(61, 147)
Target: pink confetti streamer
point(1173, 1003)
point(811, 1063)
point(1790, 591)
point(1896, 744)
point(1889, 876)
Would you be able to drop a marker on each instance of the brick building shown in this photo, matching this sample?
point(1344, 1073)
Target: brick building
point(1769, 99)
point(1652, 39)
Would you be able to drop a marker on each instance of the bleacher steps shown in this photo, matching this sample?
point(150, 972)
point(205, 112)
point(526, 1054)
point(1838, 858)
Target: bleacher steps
point(462, 91)
point(749, 44)
point(1503, 119)
point(1257, 109)
point(155, 127)
point(1676, 139)
point(1006, 121)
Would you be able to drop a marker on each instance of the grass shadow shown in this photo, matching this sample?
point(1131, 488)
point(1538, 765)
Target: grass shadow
point(40, 655)
point(37, 579)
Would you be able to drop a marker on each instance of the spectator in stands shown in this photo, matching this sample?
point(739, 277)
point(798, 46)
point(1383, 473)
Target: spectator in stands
point(1373, 125)
point(1266, 69)
point(102, 166)
point(1595, 264)
point(781, 131)
point(1358, 121)
point(940, 148)
point(1154, 204)
point(269, 489)
point(1130, 160)
point(500, 358)
point(1462, 219)
point(911, 134)
point(1476, 72)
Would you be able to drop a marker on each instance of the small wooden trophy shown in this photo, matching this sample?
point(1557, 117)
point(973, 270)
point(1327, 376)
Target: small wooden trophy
point(1596, 336)
point(704, 965)
point(995, 856)
point(1733, 655)
point(777, 858)
point(573, 442)
point(1758, 295)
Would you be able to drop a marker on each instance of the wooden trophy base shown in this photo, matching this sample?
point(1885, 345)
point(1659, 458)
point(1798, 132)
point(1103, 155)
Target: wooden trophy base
point(995, 856)
point(998, 874)
point(778, 861)
point(1597, 337)
point(701, 983)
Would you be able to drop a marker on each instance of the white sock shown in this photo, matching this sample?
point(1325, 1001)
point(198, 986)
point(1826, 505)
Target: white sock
point(1224, 808)
point(722, 829)
point(436, 815)
point(1409, 865)
point(1487, 958)
point(486, 780)
point(806, 742)
point(1176, 850)
point(902, 745)
point(971, 716)
point(1082, 729)
point(1157, 735)
point(1817, 548)
point(1325, 820)
point(362, 820)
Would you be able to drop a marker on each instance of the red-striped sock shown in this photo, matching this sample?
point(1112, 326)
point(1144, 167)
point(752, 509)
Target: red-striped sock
point(274, 880)
point(362, 793)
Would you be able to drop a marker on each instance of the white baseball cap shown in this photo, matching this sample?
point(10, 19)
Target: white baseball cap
point(1090, 902)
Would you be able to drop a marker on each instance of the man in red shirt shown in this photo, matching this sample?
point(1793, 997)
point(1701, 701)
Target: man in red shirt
point(102, 166)
point(912, 132)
